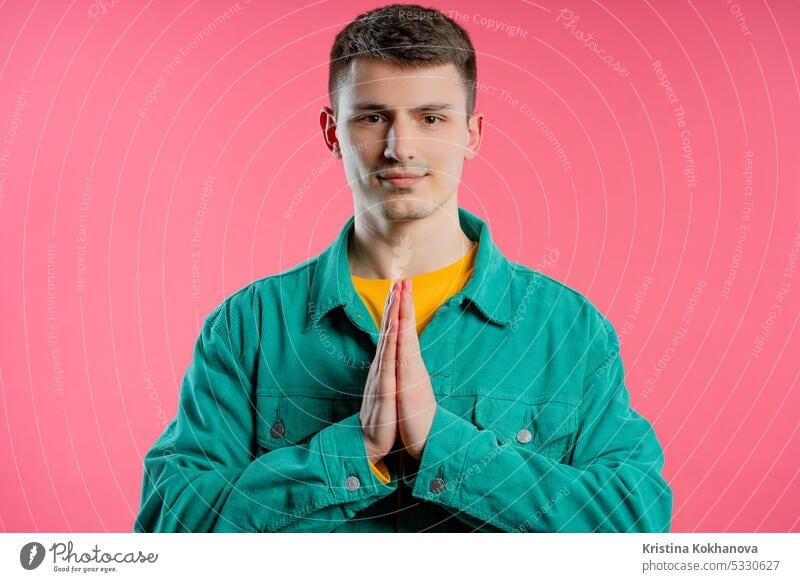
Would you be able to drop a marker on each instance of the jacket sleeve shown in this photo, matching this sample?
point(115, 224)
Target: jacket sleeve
point(612, 484)
point(205, 473)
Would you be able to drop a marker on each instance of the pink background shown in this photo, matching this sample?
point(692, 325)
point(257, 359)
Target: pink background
point(99, 200)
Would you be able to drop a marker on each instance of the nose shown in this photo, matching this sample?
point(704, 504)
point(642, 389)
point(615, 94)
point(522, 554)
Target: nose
point(400, 142)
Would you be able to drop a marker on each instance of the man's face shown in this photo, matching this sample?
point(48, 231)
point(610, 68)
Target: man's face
point(392, 123)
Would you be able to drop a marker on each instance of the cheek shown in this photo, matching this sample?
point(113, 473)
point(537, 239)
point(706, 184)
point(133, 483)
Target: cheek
point(365, 143)
point(360, 147)
point(449, 169)
point(358, 166)
point(352, 169)
point(447, 152)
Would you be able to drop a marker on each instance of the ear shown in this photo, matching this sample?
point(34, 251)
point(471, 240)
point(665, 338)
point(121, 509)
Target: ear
point(474, 135)
point(327, 121)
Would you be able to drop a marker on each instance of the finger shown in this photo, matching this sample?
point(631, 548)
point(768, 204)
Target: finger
point(411, 336)
point(390, 351)
point(390, 298)
point(389, 328)
point(412, 313)
point(389, 356)
point(404, 345)
point(405, 311)
point(408, 332)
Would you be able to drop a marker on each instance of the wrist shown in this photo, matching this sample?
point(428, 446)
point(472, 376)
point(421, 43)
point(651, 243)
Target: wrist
point(373, 456)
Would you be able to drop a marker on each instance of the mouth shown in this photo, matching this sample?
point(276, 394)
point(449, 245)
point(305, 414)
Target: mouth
point(402, 181)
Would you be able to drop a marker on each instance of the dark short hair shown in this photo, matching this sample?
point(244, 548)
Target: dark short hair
point(406, 35)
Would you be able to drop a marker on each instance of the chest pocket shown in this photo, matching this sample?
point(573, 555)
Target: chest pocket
point(286, 419)
point(546, 427)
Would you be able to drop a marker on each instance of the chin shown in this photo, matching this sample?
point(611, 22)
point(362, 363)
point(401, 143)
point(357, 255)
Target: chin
point(405, 207)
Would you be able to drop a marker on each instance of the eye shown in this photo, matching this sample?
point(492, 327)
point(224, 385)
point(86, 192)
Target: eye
point(436, 119)
point(371, 115)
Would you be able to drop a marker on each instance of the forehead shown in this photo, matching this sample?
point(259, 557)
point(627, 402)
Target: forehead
point(369, 80)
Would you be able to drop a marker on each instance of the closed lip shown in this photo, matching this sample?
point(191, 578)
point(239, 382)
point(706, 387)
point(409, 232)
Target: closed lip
point(399, 175)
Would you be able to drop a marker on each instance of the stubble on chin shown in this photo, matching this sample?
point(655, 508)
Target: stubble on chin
point(406, 209)
point(407, 206)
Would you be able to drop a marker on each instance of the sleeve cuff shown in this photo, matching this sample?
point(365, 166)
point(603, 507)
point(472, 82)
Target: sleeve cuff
point(440, 468)
point(347, 464)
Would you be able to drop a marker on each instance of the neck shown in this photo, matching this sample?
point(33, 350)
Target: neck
point(385, 249)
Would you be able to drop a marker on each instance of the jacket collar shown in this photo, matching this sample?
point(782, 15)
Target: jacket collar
point(488, 287)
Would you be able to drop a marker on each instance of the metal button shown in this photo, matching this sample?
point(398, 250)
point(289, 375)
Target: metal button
point(276, 430)
point(352, 483)
point(524, 436)
point(437, 485)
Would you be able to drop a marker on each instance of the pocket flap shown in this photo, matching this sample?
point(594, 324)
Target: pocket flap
point(285, 419)
point(539, 425)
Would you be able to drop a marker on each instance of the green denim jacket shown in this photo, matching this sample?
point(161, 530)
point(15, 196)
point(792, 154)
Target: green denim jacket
point(533, 431)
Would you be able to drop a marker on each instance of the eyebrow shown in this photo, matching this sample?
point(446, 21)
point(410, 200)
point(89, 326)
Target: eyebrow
point(383, 107)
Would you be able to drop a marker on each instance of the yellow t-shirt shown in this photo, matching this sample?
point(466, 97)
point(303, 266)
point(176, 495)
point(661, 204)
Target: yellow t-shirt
point(430, 290)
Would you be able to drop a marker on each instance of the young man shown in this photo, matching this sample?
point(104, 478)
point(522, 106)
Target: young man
point(477, 395)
